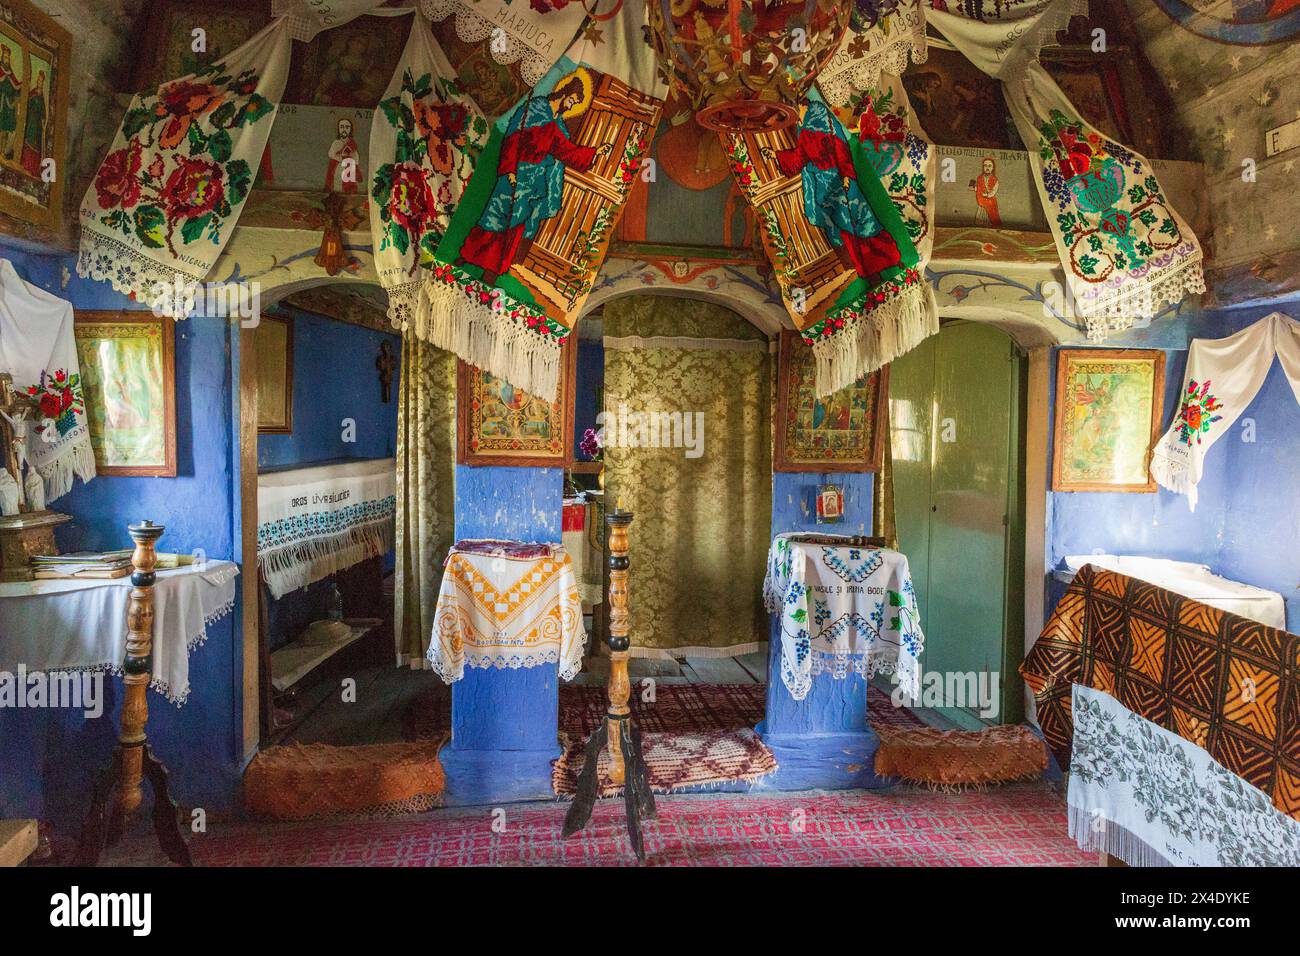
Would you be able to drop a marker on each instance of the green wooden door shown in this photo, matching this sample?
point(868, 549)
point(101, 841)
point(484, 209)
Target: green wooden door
point(954, 415)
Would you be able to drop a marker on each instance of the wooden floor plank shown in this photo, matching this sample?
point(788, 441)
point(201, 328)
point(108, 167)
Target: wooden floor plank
point(716, 670)
point(17, 841)
point(755, 664)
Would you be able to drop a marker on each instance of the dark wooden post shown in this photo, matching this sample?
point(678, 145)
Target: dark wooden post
point(619, 733)
point(120, 790)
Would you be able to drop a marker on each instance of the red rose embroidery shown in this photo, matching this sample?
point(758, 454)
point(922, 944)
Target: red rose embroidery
point(184, 101)
point(50, 406)
point(194, 188)
point(411, 203)
point(117, 184)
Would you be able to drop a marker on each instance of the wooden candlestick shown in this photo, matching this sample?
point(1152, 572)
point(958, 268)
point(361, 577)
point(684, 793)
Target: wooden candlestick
point(120, 790)
point(618, 733)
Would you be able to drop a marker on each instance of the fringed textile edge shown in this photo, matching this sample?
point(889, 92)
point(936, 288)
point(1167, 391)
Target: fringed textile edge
point(77, 459)
point(1111, 838)
point(870, 340)
point(1176, 476)
point(297, 565)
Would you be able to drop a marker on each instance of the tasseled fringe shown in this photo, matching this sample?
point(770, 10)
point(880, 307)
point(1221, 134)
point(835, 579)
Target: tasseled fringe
point(298, 565)
point(1118, 310)
point(487, 338)
point(77, 459)
point(1174, 475)
point(1109, 837)
point(869, 341)
point(672, 653)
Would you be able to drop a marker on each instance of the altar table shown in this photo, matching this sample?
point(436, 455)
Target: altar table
point(81, 624)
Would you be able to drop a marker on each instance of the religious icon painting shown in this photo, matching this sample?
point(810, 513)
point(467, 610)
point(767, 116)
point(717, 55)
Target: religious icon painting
point(830, 504)
point(274, 350)
point(35, 53)
point(843, 431)
point(499, 424)
point(127, 364)
point(172, 49)
point(1108, 409)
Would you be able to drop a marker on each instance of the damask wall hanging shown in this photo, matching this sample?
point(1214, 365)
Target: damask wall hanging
point(1124, 250)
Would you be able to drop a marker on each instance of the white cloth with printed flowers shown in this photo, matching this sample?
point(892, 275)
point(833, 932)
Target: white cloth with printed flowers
point(843, 608)
point(37, 348)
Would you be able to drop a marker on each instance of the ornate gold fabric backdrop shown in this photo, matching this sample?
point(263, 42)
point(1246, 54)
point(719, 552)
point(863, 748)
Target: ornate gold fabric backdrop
point(426, 494)
point(704, 512)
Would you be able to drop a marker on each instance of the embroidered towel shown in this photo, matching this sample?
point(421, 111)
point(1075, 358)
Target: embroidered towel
point(425, 138)
point(1222, 378)
point(314, 521)
point(1151, 798)
point(307, 18)
point(38, 349)
point(165, 200)
point(843, 608)
point(532, 35)
point(500, 611)
point(531, 230)
point(881, 39)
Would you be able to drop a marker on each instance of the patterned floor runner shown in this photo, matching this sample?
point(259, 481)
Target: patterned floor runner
point(1017, 825)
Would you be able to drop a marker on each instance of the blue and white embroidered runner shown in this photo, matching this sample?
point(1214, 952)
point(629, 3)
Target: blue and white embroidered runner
point(843, 608)
point(1152, 798)
point(315, 521)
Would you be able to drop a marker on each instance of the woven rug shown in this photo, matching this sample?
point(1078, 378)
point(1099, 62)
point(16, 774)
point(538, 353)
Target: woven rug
point(676, 761)
point(957, 759)
point(1018, 825)
point(317, 781)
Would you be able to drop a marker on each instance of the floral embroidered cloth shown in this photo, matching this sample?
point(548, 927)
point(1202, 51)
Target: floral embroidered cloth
point(58, 626)
point(315, 521)
point(499, 611)
point(843, 607)
point(38, 350)
point(1151, 798)
point(425, 138)
point(1222, 378)
point(165, 200)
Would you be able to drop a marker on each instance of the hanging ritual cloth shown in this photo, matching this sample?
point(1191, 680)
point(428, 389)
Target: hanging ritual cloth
point(1151, 798)
point(843, 607)
point(307, 18)
point(426, 492)
point(688, 439)
point(1124, 250)
point(425, 138)
point(576, 518)
point(841, 253)
point(167, 197)
point(881, 38)
point(37, 348)
point(315, 521)
point(1222, 378)
point(1229, 685)
point(59, 626)
point(534, 35)
point(530, 233)
point(498, 610)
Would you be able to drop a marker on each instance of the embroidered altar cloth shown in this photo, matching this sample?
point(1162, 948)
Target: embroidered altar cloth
point(496, 610)
point(56, 625)
point(315, 521)
point(843, 607)
point(1151, 798)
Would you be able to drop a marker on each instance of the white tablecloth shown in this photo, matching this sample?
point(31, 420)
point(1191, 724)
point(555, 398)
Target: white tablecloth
point(843, 608)
point(1152, 798)
point(76, 625)
point(496, 611)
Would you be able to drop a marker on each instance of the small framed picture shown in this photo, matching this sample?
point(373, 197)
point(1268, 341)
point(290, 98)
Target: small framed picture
point(274, 338)
point(843, 431)
point(498, 424)
point(1108, 408)
point(128, 376)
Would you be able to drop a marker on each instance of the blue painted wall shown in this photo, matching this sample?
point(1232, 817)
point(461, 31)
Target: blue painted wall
point(590, 384)
point(49, 756)
point(1246, 520)
point(334, 377)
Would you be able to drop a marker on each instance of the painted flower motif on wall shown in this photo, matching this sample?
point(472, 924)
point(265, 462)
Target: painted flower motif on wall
point(191, 183)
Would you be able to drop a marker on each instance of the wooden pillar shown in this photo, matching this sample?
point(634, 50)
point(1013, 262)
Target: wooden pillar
point(120, 790)
point(620, 688)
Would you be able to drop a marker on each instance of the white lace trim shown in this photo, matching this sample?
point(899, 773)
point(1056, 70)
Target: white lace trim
point(870, 340)
point(130, 271)
point(447, 670)
point(864, 73)
point(473, 27)
point(487, 338)
point(1116, 308)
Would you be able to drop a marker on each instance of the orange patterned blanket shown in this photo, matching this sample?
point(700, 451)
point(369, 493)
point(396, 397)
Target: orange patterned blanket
point(1229, 685)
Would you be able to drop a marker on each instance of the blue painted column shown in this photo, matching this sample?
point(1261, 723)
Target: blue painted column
point(822, 741)
point(504, 723)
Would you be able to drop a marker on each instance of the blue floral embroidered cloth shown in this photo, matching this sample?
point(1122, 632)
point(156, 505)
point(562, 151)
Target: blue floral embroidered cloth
point(843, 608)
point(317, 520)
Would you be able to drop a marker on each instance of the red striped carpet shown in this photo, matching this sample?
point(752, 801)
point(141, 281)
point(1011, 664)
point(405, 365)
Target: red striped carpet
point(1019, 825)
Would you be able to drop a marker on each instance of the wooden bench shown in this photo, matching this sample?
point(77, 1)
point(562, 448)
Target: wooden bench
point(17, 841)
